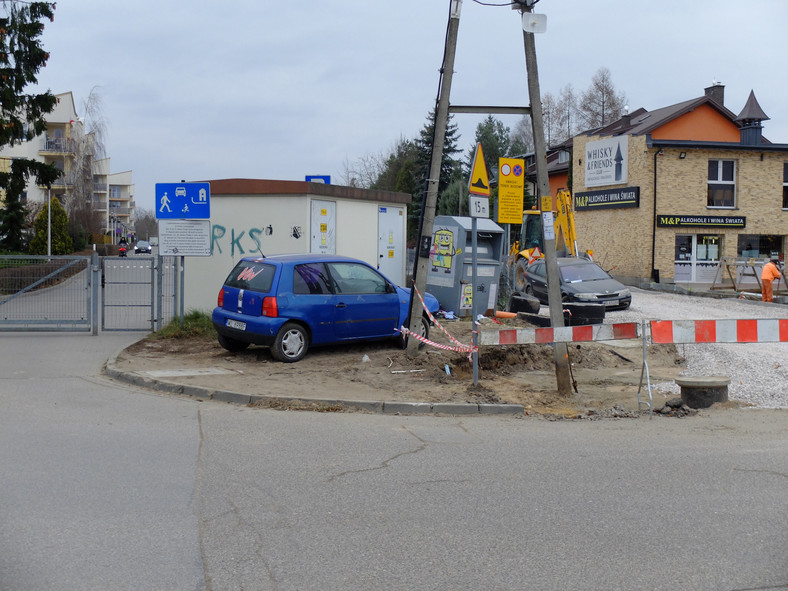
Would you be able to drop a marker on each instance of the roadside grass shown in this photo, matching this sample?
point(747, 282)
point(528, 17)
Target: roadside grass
point(196, 325)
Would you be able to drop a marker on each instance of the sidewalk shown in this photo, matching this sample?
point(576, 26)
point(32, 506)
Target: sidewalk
point(193, 378)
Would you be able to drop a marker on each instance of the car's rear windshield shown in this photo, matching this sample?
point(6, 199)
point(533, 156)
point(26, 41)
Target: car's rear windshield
point(252, 275)
point(575, 273)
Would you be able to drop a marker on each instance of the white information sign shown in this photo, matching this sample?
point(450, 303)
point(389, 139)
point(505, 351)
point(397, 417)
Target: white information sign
point(185, 238)
point(547, 224)
point(479, 206)
point(606, 161)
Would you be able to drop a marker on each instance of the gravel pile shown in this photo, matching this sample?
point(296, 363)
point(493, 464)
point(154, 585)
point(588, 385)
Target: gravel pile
point(758, 371)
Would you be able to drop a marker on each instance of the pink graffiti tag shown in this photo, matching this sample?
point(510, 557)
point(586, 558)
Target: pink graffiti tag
point(248, 274)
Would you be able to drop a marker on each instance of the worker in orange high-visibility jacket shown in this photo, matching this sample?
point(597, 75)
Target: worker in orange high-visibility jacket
point(769, 274)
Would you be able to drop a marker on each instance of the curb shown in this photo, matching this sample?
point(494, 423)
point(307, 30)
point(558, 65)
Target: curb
point(317, 404)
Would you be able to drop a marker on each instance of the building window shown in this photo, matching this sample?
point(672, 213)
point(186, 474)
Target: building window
point(707, 248)
point(722, 183)
point(563, 156)
point(114, 192)
point(759, 246)
point(785, 185)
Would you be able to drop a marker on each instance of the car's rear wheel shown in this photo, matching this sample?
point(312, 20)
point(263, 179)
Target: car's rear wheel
point(231, 344)
point(291, 343)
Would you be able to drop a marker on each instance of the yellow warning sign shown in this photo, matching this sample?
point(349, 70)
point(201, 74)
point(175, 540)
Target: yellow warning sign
point(511, 182)
point(479, 183)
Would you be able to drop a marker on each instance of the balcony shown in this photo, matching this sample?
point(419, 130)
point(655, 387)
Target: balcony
point(58, 145)
point(113, 210)
point(59, 184)
point(100, 187)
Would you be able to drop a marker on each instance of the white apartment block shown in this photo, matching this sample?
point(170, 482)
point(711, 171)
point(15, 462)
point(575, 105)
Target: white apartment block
point(112, 194)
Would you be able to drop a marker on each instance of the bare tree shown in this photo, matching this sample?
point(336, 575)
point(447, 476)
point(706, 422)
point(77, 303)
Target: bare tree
point(552, 117)
point(146, 224)
point(601, 103)
point(568, 112)
point(523, 135)
point(364, 171)
point(87, 139)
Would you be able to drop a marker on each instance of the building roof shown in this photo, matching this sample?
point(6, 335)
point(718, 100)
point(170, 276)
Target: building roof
point(277, 187)
point(641, 121)
point(752, 110)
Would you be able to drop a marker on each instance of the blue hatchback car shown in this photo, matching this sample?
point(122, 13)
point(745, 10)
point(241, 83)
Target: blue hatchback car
point(291, 302)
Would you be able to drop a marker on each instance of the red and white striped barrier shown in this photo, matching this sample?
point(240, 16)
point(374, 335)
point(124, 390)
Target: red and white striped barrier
point(755, 330)
point(459, 347)
point(561, 334)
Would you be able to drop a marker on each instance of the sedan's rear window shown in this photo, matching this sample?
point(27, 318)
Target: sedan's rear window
point(575, 273)
point(252, 275)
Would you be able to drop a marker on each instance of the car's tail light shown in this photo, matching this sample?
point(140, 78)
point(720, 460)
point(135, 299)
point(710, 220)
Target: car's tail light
point(269, 307)
point(220, 298)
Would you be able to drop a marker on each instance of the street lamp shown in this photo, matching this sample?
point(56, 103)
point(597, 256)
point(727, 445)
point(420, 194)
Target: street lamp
point(49, 221)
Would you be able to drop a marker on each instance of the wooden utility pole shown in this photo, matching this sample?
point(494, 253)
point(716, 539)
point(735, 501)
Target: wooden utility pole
point(544, 199)
point(431, 199)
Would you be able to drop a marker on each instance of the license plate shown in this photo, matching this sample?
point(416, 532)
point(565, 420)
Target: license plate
point(236, 324)
point(611, 303)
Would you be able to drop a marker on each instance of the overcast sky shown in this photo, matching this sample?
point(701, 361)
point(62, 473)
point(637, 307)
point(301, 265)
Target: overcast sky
point(278, 89)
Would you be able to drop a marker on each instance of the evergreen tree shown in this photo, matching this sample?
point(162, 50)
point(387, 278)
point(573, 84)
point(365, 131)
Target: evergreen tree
point(61, 240)
point(21, 115)
point(495, 138)
point(424, 161)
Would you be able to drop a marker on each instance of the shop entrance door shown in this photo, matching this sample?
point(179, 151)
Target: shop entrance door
point(697, 258)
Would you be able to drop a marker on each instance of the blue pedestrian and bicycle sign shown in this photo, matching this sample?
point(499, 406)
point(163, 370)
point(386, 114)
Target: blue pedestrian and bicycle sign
point(183, 201)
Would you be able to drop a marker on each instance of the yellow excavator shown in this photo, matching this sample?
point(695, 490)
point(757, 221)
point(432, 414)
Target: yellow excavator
point(531, 237)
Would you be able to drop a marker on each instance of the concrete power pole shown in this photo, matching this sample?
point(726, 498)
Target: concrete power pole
point(564, 383)
point(430, 201)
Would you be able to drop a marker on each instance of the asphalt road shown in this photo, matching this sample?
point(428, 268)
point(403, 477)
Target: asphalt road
point(104, 486)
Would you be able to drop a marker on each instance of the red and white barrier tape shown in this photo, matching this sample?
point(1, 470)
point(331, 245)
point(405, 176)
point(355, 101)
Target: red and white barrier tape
point(459, 347)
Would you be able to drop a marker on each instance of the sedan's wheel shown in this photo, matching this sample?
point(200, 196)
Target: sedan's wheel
point(529, 290)
point(291, 343)
point(231, 344)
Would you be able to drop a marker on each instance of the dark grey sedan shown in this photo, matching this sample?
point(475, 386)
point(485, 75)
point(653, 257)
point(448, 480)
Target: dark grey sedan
point(142, 247)
point(581, 281)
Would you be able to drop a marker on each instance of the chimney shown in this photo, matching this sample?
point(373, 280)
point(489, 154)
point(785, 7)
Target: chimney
point(716, 92)
point(626, 118)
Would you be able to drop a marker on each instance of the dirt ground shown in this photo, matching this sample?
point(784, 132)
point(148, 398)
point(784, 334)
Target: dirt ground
point(606, 375)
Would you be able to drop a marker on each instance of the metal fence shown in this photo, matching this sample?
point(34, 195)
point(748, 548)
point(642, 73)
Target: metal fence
point(82, 293)
point(45, 293)
point(137, 292)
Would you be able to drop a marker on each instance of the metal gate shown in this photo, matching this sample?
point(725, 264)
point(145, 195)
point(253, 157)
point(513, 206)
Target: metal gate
point(45, 293)
point(137, 293)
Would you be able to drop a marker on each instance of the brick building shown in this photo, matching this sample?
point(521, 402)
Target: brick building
point(665, 195)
